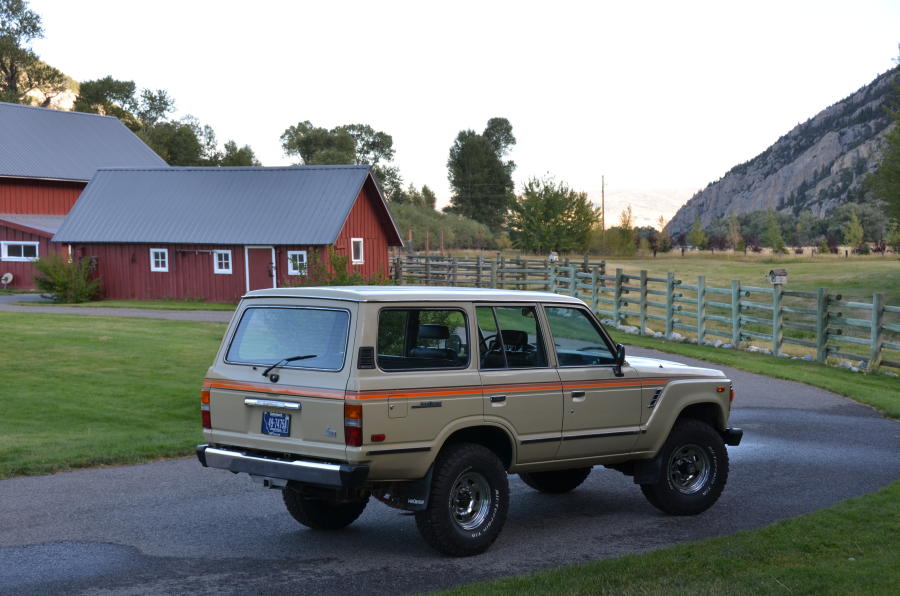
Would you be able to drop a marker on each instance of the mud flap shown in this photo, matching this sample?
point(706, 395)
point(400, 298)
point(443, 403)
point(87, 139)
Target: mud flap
point(409, 496)
point(647, 471)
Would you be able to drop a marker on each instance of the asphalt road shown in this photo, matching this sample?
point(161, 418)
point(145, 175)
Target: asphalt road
point(173, 527)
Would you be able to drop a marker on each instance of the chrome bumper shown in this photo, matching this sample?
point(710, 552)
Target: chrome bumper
point(309, 472)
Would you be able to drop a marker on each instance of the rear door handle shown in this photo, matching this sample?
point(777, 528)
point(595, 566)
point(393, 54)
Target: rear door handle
point(578, 394)
point(495, 399)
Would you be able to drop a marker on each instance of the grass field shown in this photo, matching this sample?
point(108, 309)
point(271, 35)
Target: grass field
point(85, 391)
point(851, 548)
point(146, 304)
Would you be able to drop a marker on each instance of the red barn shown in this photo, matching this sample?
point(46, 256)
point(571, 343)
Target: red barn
point(46, 159)
point(216, 233)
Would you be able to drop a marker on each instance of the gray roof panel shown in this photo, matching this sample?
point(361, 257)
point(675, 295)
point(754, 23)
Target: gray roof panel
point(236, 205)
point(58, 145)
point(49, 224)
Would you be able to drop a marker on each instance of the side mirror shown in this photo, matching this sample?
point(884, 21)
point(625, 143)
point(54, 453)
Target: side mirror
point(620, 360)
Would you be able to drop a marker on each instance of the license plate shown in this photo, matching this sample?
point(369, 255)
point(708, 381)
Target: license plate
point(276, 423)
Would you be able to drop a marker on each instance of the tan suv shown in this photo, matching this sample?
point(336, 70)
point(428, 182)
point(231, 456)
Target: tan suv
point(426, 398)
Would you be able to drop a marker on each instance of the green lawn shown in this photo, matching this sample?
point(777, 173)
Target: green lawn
point(148, 304)
point(877, 390)
point(84, 391)
point(850, 548)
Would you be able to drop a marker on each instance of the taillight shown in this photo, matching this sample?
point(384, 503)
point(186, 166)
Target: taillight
point(353, 425)
point(731, 392)
point(204, 408)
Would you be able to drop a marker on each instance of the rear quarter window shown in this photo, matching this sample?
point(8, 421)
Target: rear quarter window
point(412, 338)
point(266, 335)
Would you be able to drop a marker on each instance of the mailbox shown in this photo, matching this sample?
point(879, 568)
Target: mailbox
point(778, 277)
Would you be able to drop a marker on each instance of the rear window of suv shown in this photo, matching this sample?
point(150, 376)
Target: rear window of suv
point(267, 335)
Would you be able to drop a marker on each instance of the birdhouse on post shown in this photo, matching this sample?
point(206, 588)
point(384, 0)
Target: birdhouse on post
point(778, 277)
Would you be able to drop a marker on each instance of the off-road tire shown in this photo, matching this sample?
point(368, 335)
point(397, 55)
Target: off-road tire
point(693, 470)
point(557, 481)
point(468, 503)
point(321, 514)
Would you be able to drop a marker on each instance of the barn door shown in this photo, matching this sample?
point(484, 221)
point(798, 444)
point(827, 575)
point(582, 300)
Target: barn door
point(260, 267)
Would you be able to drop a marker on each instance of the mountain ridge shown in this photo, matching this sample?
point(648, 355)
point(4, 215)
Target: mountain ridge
point(818, 165)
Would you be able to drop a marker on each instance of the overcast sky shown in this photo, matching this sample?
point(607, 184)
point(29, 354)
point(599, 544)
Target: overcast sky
point(653, 95)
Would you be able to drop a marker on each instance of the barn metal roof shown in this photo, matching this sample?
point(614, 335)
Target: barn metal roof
point(48, 224)
point(228, 205)
point(57, 145)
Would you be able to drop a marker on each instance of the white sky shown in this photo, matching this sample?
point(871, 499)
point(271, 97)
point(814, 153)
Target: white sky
point(653, 95)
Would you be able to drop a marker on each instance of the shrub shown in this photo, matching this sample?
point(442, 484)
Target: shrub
point(66, 281)
point(334, 273)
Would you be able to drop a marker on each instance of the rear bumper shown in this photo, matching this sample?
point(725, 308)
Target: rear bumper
point(733, 436)
point(346, 476)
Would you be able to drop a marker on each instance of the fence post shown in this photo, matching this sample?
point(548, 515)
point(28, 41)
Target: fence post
point(453, 270)
point(617, 296)
point(573, 282)
point(427, 270)
point(500, 265)
point(493, 273)
point(777, 319)
point(877, 337)
point(701, 309)
point(595, 291)
point(551, 278)
point(602, 272)
point(398, 269)
point(479, 262)
point(670, 304)
point(821, 325)
point(547, 276)
point(736, 313)
point(643, 318)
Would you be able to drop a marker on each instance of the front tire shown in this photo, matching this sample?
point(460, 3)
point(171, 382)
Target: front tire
point(557, 481)
point(469, 501)
point(321, 514)
point(693, 471)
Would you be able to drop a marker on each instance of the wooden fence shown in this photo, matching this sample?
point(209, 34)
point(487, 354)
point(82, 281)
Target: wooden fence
point(822, 324)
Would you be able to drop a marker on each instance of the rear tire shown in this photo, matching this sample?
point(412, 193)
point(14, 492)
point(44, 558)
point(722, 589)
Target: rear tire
point(694, 470)
point(557, 481)
point(469, 501)
point(321, 514)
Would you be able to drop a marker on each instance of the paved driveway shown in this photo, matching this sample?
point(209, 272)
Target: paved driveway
point(173, 527)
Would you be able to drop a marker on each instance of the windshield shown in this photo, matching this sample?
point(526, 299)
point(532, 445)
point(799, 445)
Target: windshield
point(267, 335)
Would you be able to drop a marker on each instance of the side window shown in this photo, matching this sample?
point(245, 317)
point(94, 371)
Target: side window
point(578, 341)
point(411, 338)
point(296, 262)
point(159, 259)
point(356, 250)
point(509, 337)
point(222, 261)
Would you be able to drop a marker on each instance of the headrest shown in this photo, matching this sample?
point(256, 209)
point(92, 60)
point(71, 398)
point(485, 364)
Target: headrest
point(433, 331)
point(514, 337)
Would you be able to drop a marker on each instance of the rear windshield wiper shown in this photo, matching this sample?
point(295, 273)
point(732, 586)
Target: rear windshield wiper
point(285, 361)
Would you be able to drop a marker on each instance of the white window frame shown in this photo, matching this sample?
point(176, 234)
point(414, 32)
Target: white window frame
point(222, 270)
point(290, 263)
point(165, 253)
point(4, 251)
point(362, 256)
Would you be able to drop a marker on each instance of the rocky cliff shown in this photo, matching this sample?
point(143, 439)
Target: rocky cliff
point(816, 166)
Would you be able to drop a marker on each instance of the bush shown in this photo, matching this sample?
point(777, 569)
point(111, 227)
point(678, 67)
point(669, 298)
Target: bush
point(334, 273)
point(66, 281)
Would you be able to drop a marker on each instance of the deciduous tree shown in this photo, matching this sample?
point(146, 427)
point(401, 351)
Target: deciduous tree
point(551, 216)
point(479, 176)
point(21, 71)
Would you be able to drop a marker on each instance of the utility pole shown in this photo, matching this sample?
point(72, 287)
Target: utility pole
point(602, 214)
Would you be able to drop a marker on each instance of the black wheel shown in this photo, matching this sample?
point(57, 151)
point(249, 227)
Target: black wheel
point(469, 501)
point(321, 514)
point(557, 481)
point(694, 470)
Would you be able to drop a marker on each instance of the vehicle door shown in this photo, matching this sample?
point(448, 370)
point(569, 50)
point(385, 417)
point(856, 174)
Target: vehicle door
point(602, 411)
point(520, 388)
